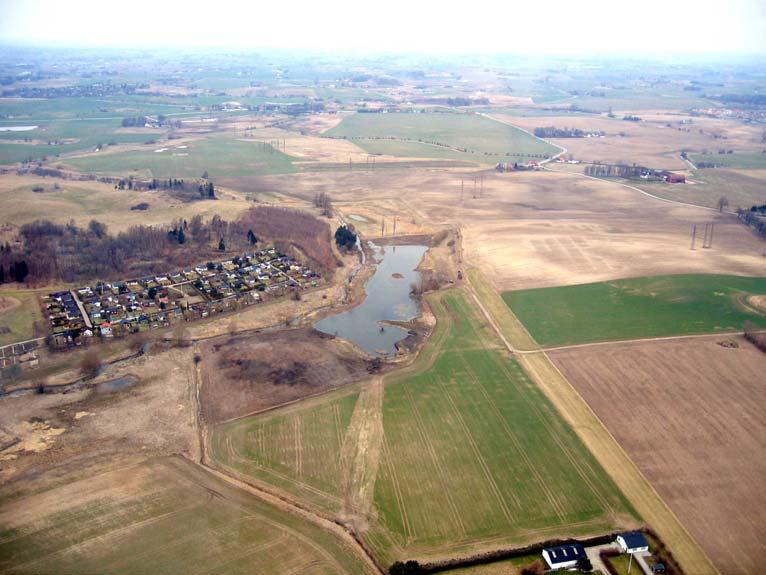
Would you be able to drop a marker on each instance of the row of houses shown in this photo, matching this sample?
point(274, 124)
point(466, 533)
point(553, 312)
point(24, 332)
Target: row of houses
point(109, 309)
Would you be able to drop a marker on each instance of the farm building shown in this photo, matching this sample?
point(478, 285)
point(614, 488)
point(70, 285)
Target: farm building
point(632, 542)
point(672, 178)
point(564, 556)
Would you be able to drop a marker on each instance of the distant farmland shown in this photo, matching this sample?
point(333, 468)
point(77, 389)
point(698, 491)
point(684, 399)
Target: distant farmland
point(441, 135)
point(217, 156)
point(638, 308)
point(162, 516)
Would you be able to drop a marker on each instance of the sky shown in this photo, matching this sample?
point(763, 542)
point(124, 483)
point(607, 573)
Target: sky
point(561, 27)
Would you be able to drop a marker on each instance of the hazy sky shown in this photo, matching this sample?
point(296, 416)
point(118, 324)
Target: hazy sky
point(551, 27)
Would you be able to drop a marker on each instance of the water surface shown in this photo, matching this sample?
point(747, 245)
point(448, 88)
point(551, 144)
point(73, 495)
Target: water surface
point(388, 299)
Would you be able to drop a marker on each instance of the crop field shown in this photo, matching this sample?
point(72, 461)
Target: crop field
point(64, 200)
point(474, 453)
point(72, 134)
point(472, 456)
point(689, 414)
point(219, 156)
point(297, 449)
point(483, 139)
point(162, 516)
point(655, 142)
point(743, 160)
point(19, 310)
point(639, 308)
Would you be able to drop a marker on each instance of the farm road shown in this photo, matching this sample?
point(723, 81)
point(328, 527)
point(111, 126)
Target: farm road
point(360, 454)
point(597, 438)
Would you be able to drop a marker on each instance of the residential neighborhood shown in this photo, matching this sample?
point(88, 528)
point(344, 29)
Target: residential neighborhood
point(109, 309)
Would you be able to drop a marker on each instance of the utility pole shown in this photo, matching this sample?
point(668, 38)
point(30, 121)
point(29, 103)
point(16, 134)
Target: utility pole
point(710, 241)
point(694, 234)
point(394, 232)
point(383, 226)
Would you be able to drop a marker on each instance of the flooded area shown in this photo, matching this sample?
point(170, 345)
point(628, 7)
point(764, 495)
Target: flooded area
point(358, 218)
point(388, 299)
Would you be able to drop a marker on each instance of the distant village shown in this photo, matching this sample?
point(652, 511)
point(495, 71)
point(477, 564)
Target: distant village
point(120, 308)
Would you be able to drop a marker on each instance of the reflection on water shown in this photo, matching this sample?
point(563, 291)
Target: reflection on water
point(388, 299)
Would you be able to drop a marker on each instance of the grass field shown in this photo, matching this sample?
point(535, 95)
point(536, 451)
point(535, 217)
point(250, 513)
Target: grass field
point(162, 516)
point(484, 139)
point(472, 455)
point(474, 451)
point(638, 308)
point(219, 156)
point(19, 310)
point(744, 160)
point(297, 449)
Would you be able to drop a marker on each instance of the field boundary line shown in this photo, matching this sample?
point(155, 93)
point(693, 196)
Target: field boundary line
point(638, 340)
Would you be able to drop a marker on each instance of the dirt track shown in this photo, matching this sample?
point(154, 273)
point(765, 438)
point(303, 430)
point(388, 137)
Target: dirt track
point(689, 413)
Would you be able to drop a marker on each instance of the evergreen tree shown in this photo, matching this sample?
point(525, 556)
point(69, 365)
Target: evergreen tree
point(221, 245)
point(181, 236)
point(2, 274)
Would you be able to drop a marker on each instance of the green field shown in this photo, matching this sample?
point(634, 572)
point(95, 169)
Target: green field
point(638, 308)
point(19, 319)
point(473, 455)
point(474, 451)
point(219, 156)
point(282, 448)
point(162, 516)
point(744, 160)
point(483, 139)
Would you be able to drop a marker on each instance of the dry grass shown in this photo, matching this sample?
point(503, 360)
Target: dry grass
point(84, 201)
point(538, 229)
point(689, 413)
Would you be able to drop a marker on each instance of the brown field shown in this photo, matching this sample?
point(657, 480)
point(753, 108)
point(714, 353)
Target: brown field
point(689, 414)
point(538, 229)
point(87, 200)
point(248, 373)
point(650, 142)
point(154, 415)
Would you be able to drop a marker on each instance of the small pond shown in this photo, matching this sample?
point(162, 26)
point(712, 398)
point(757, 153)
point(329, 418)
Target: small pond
point(388, 299)
point(17, 128)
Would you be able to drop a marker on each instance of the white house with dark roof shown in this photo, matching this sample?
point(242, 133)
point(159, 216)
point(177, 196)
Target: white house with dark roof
point(564, 556)
point(632, 542)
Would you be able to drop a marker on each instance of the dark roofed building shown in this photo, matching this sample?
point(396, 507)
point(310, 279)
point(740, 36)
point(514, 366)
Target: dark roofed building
point(632, 542)
point(564, 556)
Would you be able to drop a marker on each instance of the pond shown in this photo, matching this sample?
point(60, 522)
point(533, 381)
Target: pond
point(388, 299)
point(17, 128)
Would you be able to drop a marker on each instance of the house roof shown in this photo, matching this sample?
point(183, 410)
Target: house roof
point(563, 553)
point(634, 539)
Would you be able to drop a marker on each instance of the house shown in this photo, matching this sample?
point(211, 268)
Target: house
point(672, 178)
point(632, 542)
point(564, 556)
